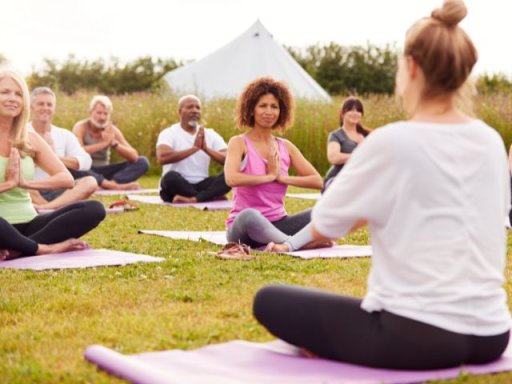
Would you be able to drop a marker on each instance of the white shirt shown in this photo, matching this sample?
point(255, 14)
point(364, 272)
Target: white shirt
point(65, 144)
point(195, 167)
point(436, 197)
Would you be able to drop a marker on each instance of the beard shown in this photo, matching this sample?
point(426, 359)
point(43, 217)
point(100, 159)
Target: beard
point(99, 125)
point(193, 123)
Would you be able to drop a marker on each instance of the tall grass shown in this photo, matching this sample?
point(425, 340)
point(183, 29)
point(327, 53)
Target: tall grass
point(142, 116)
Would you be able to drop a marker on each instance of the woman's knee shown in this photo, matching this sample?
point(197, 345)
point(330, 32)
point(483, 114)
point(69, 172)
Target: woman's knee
point(265, 302)
point(249, 215)
point(94, 210)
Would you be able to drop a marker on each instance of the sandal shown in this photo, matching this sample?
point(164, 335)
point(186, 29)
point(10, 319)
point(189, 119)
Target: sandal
point(126, 205)
point(235, 251)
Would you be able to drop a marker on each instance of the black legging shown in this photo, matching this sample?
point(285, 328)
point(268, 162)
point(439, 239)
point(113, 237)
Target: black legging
point(335, 327)
point(71, 221)
point(173, 184)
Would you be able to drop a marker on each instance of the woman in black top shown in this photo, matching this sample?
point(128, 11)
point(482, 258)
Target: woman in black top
point(342, 141)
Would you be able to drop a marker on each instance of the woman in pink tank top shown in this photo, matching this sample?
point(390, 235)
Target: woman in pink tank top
point(257, 165)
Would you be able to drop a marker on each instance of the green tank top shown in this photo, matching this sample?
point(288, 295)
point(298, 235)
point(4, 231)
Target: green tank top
point(15, 204)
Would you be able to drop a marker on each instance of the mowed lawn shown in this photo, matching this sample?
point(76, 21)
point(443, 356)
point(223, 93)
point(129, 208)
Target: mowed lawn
point(192, 299)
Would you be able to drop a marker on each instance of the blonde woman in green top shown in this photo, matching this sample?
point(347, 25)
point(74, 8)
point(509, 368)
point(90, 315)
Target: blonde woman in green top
point(22, 231)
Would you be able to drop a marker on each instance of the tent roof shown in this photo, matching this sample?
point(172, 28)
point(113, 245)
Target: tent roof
point(225, 72)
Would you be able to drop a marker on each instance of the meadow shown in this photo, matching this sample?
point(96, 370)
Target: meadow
point(192, 299)
point(142, 116)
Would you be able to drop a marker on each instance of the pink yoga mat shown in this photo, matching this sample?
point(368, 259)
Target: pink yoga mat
point(219, 238)
point(255, 363)
point(123, 192)
point(206, 206)
point(78, 259)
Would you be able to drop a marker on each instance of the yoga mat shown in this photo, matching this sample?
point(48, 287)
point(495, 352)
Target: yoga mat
point(125, 191)
point(78, 259)
point(108, 210)
point(215, 237)
point(308, 196)
point(338, 251)
point(255, 363)
point(206, 206)
point(219, 238)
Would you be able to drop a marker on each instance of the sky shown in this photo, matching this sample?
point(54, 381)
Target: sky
point(186, 30)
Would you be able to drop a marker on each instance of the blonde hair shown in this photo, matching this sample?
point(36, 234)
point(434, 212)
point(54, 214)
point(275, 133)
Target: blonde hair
point(19, 133)
point(442, 49)
point(103, 100)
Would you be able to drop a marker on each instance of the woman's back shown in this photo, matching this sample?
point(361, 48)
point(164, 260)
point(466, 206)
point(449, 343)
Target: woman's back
point(436, 206)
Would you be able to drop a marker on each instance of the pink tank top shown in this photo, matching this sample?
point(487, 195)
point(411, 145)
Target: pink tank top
point(267, 198)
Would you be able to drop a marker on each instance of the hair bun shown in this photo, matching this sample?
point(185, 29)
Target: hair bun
point(451, 13)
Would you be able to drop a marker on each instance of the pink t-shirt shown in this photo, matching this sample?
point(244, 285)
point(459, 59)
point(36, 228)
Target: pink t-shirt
point(267, 198)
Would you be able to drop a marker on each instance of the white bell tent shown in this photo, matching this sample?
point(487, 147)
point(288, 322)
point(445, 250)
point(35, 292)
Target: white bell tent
point(225, 72)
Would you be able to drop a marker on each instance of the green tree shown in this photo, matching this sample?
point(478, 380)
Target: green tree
point(496, 83)
point(354, 69)
point(113, 77)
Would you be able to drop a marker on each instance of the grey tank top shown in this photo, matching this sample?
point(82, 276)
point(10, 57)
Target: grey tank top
point(101, 157)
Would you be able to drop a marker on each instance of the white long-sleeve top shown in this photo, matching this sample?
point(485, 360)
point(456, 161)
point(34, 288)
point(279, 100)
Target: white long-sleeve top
point(436, 197)
point(65, 143)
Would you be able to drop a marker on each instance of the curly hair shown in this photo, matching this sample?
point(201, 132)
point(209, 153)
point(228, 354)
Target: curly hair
point(244, 115)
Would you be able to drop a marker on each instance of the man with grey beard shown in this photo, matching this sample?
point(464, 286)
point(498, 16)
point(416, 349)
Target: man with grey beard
point(185, 149)
point(98, 136)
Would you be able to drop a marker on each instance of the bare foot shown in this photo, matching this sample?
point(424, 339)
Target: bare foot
point(63, 246)
point(4, 253)
point(44, 207)
point(111, 184)
point(183, 199)
point(315, 244)
point(279, 248)
point(307, 353)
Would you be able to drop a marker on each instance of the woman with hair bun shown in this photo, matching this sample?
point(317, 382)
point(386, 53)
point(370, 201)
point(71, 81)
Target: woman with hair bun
point(342, 141)
point(435, 192)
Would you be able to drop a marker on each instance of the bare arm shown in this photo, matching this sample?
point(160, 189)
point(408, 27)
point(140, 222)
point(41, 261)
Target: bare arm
point(45, 158)
point(12, 172)
point(234, 177)
point(217, 156)
point(334, 154)
point(308, 176)
point(166, 155)
point(69, 162)
point(121, 146)
point(79, 131)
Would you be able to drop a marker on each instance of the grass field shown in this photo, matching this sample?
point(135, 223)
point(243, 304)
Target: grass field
point(141, 117)
point(48, 318)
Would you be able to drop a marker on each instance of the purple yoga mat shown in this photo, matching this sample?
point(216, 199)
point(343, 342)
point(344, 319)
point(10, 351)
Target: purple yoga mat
point(254, 363)
point(206, 206)
point(123, 192)
point(78, 259)
point(219, 238)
